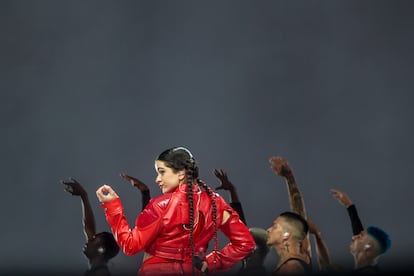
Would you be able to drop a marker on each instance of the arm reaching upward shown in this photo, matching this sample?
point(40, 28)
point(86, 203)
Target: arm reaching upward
point(344, 199)
point(135, 182)
point(227, 185)
point(322, 252)
point(282, 168)
point(75, 188)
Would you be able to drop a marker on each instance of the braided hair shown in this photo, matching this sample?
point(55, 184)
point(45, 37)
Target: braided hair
point(180, 158)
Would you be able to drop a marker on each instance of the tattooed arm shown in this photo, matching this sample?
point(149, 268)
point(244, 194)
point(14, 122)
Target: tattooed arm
point(322, 251)
point(282, 168)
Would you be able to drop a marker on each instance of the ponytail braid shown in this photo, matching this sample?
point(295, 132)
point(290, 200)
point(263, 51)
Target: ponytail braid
point(214, 205)
point(179, 158)
point(190, 176)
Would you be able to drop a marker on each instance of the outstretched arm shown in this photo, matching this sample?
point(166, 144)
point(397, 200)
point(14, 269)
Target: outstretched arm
point(344, 199)
point(322, 252)
point(227, 185)
point(135, 182)
point(282, 168)
point(88, 220)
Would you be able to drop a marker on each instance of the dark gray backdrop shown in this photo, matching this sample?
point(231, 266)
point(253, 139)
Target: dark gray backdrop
point(90, 89)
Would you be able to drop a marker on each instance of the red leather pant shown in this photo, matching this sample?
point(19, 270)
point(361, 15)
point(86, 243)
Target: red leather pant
point(157, 266)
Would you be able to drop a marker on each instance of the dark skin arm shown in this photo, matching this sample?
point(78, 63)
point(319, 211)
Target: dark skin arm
point(135, 182)
point(282, 168)
point(75, 188)
point(227, 185)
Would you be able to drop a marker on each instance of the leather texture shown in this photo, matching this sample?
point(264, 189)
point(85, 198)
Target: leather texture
point(162, 230)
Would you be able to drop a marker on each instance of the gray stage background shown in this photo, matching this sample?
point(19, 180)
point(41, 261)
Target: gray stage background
point(90, 89)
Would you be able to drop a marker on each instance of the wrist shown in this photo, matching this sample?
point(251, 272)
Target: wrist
point(289, 177)
point(347, 205)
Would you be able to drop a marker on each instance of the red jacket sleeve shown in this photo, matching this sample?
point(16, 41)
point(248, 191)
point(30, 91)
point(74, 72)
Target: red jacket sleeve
point(240, 246)
point(147, 226)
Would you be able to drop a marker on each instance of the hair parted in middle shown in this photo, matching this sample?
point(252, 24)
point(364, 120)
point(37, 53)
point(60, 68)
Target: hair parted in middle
point(180, 158)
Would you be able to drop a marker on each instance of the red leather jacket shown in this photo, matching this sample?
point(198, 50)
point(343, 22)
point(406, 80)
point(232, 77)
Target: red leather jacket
point(161, 230)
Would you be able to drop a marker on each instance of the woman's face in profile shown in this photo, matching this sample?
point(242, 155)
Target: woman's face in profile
point(166, 178)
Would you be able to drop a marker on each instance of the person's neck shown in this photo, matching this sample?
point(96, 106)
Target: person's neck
point(292, 250)
point(362, 260)
point(97, 262)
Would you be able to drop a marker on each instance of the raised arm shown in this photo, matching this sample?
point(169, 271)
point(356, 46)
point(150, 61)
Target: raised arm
point(135, 182)
point(282, 168)
point(344, 199)
point(88, 220)
point(322, 252)
point(227, 185)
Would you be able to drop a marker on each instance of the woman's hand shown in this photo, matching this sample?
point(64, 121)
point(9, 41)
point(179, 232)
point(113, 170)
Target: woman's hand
point(105, 193)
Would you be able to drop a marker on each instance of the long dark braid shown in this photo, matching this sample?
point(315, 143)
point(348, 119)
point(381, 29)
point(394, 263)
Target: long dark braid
point(190, 174)
point(214, 205)
point(179, 158)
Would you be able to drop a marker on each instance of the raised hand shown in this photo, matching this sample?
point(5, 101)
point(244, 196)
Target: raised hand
point(225, 182)
point(135, 182)
point(105, 193)
point(73, 187)
point(341, 197)
point(228, 186)
point(280, 166)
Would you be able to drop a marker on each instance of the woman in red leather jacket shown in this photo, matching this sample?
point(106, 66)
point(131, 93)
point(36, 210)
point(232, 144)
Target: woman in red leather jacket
point(175, 229)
